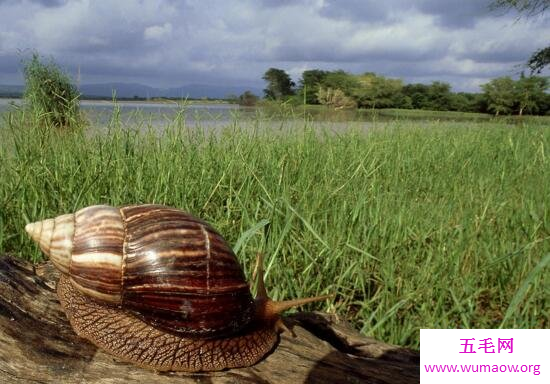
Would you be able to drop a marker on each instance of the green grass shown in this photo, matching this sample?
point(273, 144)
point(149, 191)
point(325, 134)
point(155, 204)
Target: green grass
point(324, 113)
point(49, 94)
point(421, 114)
point(426, 114)
point(414, 225)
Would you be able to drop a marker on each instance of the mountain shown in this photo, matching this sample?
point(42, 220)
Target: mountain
point(197, 91)
point(124, 90)
point(130, 90)
point(193, 91)
point(11, 90)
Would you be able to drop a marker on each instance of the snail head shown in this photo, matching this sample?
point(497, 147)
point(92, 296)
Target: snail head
point(269, 310)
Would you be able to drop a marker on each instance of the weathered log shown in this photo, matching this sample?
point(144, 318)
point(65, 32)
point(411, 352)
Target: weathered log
point(37, 345)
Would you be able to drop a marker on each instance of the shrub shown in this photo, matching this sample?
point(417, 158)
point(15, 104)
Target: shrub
point(335, 98)
point(248, 99)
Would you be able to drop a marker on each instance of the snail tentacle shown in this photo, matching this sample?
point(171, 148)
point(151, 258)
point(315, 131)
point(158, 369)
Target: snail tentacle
point(268, 309)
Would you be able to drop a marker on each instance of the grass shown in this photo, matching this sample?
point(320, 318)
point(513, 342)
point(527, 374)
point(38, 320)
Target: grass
point(49, 94)
point(414, 225)
point(324, 113)
point(421, 114)
point(427, 114)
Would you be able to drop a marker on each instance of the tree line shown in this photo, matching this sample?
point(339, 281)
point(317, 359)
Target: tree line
point(340, 89)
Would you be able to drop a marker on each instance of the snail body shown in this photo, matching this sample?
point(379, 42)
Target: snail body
point(157, 287)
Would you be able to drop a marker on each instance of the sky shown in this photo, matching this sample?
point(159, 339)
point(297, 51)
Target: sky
point(169, 43)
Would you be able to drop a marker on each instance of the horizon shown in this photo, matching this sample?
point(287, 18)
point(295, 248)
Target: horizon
point(164, 44)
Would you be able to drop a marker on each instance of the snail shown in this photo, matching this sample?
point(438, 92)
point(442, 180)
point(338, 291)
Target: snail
point(157, 287)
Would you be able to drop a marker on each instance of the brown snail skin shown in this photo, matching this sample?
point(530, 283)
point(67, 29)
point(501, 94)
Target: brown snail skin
point(159, 288)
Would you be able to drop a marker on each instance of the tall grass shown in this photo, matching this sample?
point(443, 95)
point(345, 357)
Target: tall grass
point(50, 95)
point(439, 225)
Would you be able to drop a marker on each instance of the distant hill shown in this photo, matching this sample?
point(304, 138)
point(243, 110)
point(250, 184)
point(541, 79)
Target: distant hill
point(120, 89)
point(196, 91)
point(11, 90)
point(130, 90)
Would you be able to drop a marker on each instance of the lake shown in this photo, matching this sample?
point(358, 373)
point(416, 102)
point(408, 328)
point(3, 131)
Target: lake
point(100, 112)
point(144, 115)
point(156, 115)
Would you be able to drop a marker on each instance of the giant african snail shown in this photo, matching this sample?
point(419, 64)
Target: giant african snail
point(158, 287)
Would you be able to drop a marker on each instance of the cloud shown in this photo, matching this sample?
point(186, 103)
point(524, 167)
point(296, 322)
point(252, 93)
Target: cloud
point(168, 42)
point(455, 14)
point(365, 11)
point(157, 32)
point(45, 3)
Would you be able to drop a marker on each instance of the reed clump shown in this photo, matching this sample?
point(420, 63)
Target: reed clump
point(50, 96)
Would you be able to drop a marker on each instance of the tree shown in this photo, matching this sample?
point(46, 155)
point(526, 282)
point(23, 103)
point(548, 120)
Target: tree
point(500, 95)
point(344, 81)
point(539, 60)
point(544, 105)
point(530, 93)
point(402, 101)
point(436, 96)
point(524, 7)
point(279, 84)
point(466, 102)
point(310, 83)
point(528, 8)
point(378, 91)
point(526, 95)
point(418, 94)
point(439, 96)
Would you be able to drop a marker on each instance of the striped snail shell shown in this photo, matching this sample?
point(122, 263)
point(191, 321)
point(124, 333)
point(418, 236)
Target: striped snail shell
point(158, 287)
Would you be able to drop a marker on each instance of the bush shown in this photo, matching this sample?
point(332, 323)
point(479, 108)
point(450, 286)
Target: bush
point(50, 95)
point(335, 98)
point(248, 99)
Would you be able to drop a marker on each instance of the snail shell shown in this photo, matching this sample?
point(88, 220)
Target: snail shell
point(158, 287)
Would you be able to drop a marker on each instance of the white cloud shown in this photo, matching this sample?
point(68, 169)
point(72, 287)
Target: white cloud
point(166, 42)
point(158, 32)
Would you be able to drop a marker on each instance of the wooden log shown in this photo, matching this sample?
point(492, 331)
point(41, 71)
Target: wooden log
point(37, 345)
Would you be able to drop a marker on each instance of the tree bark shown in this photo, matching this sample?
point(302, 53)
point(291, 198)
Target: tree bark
point(37, 345)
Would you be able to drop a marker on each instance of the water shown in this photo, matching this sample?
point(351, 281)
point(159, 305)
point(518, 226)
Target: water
point(157, 115)
point(100, 112)
point(5, 103)
point(146, 115)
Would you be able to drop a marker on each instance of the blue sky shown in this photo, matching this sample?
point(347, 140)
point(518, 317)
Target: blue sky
point(165, 43)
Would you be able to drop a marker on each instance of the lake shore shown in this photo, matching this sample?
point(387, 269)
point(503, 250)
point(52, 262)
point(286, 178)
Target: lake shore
point(219, 112)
